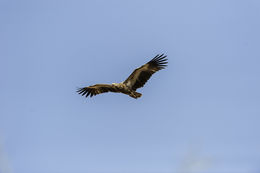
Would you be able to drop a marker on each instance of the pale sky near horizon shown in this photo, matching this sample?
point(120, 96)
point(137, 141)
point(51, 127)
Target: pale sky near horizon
point(199, 115)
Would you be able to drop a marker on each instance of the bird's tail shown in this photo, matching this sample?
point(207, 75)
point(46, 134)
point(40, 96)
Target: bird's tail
point(135, 95)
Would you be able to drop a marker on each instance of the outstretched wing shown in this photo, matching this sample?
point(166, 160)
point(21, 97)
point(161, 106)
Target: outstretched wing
point(96, 89)
point(142, 74)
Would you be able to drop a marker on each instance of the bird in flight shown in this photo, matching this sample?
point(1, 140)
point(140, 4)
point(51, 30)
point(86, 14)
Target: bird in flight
point(136, 80)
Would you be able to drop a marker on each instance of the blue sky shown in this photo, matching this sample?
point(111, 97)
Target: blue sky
point(201, 114)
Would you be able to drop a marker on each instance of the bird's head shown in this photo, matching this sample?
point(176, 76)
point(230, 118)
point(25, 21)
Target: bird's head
point(117, 85)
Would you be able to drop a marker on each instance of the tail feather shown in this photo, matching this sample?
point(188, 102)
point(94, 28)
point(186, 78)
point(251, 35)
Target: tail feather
point(135, 95)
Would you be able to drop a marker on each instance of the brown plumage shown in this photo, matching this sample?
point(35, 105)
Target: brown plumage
point(136, 80)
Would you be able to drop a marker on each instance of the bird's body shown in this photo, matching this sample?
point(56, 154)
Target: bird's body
point(136, 80)
point(123, 88)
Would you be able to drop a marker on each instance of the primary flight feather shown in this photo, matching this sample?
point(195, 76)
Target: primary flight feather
point(136, 80)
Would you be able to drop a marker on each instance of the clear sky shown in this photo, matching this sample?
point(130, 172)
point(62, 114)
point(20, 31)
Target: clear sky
point(199, 115)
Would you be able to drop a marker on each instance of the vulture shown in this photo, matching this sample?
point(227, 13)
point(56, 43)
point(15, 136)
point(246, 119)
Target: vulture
point(136, 80)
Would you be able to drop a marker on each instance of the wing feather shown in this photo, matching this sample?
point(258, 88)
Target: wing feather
point(96, 89)
point(142, 74)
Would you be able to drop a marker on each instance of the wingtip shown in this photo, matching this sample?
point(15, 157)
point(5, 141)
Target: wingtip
point(160, 60)
point(159, 56)
point(83, 91)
